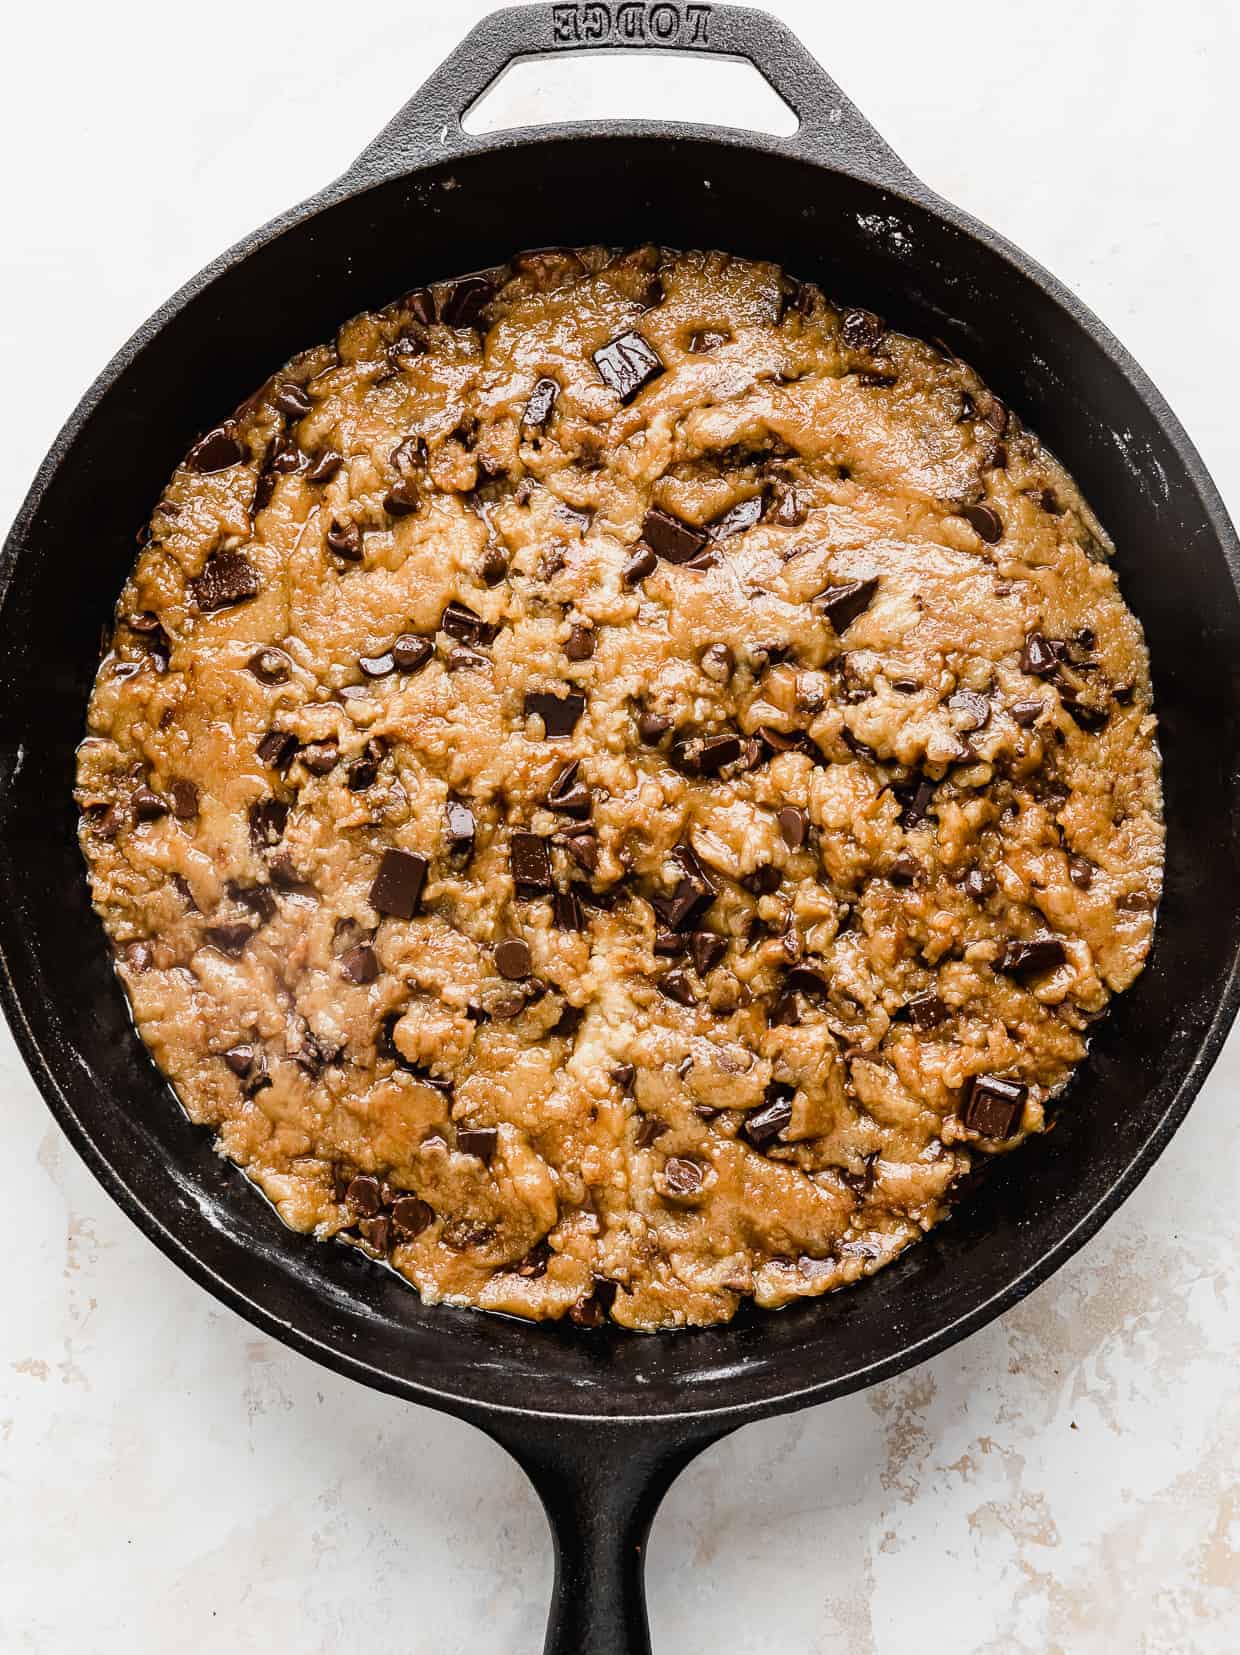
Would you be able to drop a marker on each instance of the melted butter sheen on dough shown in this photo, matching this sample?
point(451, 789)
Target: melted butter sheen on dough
point(954, 757)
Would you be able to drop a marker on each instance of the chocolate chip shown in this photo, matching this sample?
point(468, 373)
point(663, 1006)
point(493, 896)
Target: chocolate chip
point(627, 364)
point(345, 539)
point(790, 509)
point(268, 819)
point(737, 518)
point(139, 957)
point(276, 749)
point(1080, 872)
point(360, 964)
point(477, 1140)
point(693, 895)
point(219, 449)
point(364, 1196)
point(291, 400)
point(325, 466)
point(927, 1010)
point(677, 987)
point(270, 666)
point(1039, 657)
point(1030, 959)
point(668, 945)
point(642, 563)
point(320, 757)
point(377, 666)
point(804, 979)
point(283, 458)
point(984, 521)
point(465, 301)
point(539, 408)
point(715, 754)
point(652, 727)
point(459, 621)
point(184, 800)
point(905, 869)
point(708, 339)
point(566, 911)
point(230, 938)
point(718, 663)
point(1089, 718)
point(377, 1232)
point(670, 537)
point(402, 499)
point(420, 304)
point(147, 805)
point(916, 796)
point(843, 603)
point(460, 828)
point(972, 710)
point(397, 888)
point(763, 880)
point(410, 1217)
point(579, 645)
point(649, 1130)
point(978, 885)
point(624, 1075)
point(559, 713)
point(240, 1059)
point(763, 1125)
point(707, 950)
point(683, 1176)
point(583, 848)
point(1136, 902)
point(227, 578)
point(861, 330)
point(530, 860)
point(410, 652)
point(512, 959)
point(993, 1105)
point(793, 826)
point(567, 795)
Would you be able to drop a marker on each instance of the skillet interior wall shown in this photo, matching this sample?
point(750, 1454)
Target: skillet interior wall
point(861, 247)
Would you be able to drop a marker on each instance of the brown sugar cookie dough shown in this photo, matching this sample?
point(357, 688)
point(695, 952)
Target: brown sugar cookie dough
point(616, 781)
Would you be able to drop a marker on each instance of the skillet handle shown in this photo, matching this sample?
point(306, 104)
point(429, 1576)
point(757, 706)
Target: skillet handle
point(832, 130)
point(601, 1485)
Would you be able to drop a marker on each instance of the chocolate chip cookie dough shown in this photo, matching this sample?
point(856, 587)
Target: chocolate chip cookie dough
point(616, 782)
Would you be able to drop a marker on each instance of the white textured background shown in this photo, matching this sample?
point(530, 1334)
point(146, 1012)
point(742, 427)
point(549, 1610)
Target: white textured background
point(1066, 1481)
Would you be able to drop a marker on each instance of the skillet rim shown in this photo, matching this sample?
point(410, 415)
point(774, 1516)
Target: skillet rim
point(358, 182)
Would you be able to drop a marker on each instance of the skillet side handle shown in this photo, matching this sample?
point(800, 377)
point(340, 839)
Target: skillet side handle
point(832, 130)
point(600, 1485)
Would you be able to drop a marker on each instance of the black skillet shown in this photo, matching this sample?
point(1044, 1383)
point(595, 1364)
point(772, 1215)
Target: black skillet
point(602, 1422)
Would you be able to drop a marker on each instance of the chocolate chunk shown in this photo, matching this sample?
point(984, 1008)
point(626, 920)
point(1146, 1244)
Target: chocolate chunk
point(649, 1130)
point(377, 1232)
point(477, 1140)
point(512, 959)
point(806, 980)
point(1030, 959)
point(420, 305)
point(737, 518)
point(409, 652)
point(790, 508)
point(579, 645)
point(709, 339)
point(652, 727)
point(668, 945)
point(364, 1196)
point(716, 753)
point(993, 1106)
point(843, 603)
point(268, 819)
point(627, 364)
point(240, 1059)
point(219, 449)
point(707, 950)
point(325, 466)
point(763, 880)
point(463, 304)
point(677, 987)
point(785, 1013)
point(284, 457)
point(861, 330)
point(410, 1217)
point(184, 800)
point(1080, 872)
point(693, 895)
point(642, 563)
point(567, 795)
point(397, 889)
point(147, 805)
point(683, 1176)
point(291, 400)
point(227, 578)
point(566, 911)
point(345, 539)
point(916, 796)
point(530, 860)
point(320, 757)
point(1089, 718)
point(559, 713)
point(377, 666)
point(402, 499)
point(264, 488)
point(360, 964)
point(624, 1075)
point(793, 826)
point(539, 408)
point(582, 846)
point(459, 621)
point(671, 538)
point(276, 749)
point(927, 1010)
point(460, 828)
point(230, 938)
point(270, 666)
point(1026, 713)
point(978, 885)
point(972, 710)
point(763, 1125)
point(1039, 657)
point(905, 869)
point(984, 521)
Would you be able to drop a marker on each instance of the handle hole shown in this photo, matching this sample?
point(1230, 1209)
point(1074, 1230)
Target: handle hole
point(644, 86)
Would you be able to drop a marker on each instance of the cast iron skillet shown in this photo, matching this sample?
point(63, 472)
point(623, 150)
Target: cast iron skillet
point(602, 1422)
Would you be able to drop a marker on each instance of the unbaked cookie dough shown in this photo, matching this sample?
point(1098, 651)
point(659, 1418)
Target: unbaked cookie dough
point(616, 781)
